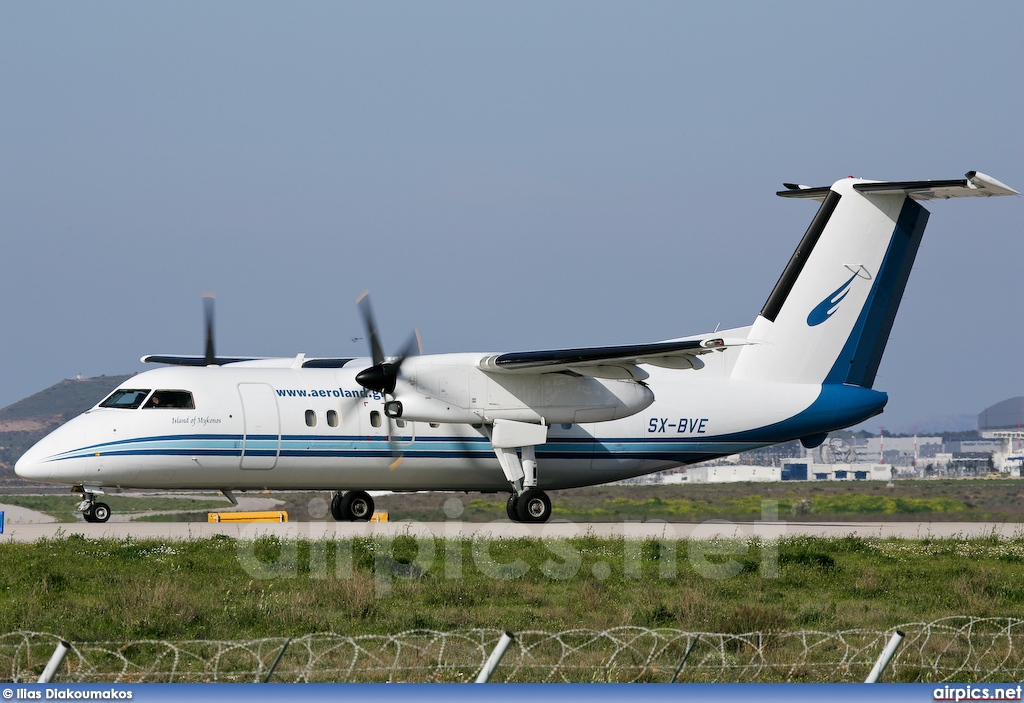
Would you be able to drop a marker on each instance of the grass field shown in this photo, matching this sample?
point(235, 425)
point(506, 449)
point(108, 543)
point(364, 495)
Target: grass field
point(118, 590)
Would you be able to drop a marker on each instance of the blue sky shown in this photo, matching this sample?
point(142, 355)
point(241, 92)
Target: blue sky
point(504, 176)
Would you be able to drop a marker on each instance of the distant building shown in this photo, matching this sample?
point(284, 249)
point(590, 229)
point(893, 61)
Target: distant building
point(790, 471)
point(974, 446)
point(1007, 415)
point(1002, 423)
point(731, 473)
point(898, 450)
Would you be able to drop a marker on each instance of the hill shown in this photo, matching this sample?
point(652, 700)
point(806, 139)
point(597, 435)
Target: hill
point(24, 423)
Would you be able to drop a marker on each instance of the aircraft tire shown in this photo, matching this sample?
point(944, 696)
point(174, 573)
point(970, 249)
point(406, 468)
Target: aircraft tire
point(100, 512)
point(533, 506)
point(336, 511)
point(87, 514)
point(510, 507)
point(357, 506)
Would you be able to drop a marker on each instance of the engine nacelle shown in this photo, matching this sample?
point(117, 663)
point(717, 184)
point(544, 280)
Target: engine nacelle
point(410, 404)
point(443, 391)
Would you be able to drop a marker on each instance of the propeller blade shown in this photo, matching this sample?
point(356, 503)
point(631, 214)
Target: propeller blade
point(413, 347)
point(210, 357)
point(376, 350)
point(396, 452)
point(383, 375)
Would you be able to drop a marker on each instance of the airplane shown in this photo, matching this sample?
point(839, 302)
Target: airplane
point(522, 422)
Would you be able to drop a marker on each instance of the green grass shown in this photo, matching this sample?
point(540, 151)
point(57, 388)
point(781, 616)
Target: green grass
point(118, 590)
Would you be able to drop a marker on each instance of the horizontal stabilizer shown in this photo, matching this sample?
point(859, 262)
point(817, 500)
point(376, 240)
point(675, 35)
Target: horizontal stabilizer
point(973, 184)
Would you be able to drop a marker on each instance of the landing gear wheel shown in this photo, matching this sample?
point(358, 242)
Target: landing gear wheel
point(510, 508)
point(533, 506)
point(357, 506)
point(336, 511)
point(96, 512)
point(100, 512)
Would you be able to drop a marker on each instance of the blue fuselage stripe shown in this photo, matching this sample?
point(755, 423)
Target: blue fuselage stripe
point(427, 447)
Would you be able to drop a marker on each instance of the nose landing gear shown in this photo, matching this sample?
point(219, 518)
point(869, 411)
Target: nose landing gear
point(90, 509)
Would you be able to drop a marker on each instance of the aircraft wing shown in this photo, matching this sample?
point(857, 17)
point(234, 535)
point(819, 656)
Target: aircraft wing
point(610, 362)
point(973, 184)
point(188, 360)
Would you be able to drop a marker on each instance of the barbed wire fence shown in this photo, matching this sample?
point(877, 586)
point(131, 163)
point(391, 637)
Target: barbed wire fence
point(950, 649)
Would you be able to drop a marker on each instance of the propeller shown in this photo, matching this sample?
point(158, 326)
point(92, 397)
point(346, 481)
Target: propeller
point(209, 357)
point(382, 377)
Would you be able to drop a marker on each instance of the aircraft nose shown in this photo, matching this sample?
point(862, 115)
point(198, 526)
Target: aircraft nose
point(31, 467)
point(47, 460)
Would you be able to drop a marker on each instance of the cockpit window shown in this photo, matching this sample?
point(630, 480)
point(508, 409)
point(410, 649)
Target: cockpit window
point(125, 398)
point(178, 400)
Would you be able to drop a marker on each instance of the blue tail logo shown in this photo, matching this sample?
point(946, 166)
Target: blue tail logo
point(824, 310)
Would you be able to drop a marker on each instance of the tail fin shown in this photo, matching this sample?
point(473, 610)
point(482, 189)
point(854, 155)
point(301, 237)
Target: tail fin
point(829, 316)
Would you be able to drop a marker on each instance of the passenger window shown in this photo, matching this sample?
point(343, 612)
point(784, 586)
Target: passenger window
point(310, 418)
point(400, 423)
point(332, 418)
point(177, 400)
point(125, 398)
point(435, 425)
point(375, 418)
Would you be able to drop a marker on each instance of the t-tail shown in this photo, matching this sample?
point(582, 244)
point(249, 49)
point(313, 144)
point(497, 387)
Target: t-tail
point(828, 319)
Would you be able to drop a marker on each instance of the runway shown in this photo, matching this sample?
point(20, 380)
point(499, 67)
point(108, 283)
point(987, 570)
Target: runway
point(504, 529)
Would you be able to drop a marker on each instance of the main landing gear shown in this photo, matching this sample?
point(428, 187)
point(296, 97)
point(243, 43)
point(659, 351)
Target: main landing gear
point(352, 506)
point(514, 445)
point(91, 510)
point(532, 506)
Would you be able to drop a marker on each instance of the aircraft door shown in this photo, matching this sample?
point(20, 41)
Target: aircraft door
point(616, 446)
point(261, 442)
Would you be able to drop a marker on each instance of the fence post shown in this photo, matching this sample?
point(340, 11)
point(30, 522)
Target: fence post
point(685, 657)
point(883, 660)
point(492, 661)
point(55, 661)
point(277, 660)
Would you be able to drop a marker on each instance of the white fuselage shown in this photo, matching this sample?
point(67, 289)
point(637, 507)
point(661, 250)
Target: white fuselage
point(265, 425)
